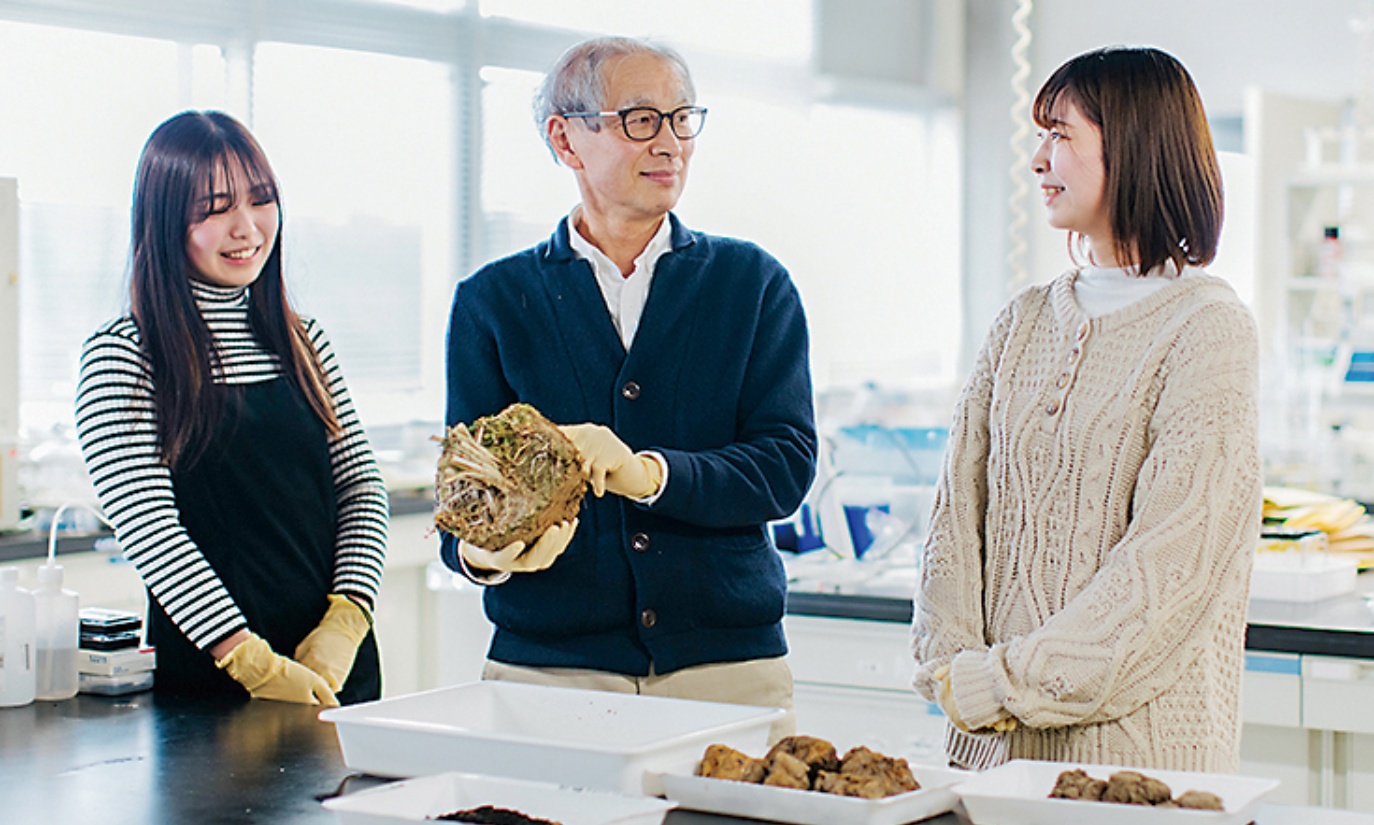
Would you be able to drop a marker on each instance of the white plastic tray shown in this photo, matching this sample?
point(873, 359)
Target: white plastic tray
point(1017, 793)
point(797, 807)
point(1302, 577)
point(416, 800)
point(579, 738)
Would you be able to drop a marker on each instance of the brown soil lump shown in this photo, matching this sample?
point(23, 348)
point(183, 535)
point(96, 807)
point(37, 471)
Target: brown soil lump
point(1199, 800)
point(893, 775)
point(724, 762)
point(1076, 784)
point(1129, 788)
point(508, 477)
point(787, 771)
point(491, 815)
point(810, 763)
point(1132, 788)
point(818, 754)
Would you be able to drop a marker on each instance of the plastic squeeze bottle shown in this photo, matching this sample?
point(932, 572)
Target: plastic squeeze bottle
point(16, 641)
point(58, 631)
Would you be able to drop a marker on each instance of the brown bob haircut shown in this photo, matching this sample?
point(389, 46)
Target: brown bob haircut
point(1162, 181)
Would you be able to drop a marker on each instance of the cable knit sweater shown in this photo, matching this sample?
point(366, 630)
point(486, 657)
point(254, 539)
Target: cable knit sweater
point(1088, 562)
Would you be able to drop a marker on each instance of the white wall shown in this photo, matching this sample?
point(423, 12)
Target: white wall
point(1303, 49)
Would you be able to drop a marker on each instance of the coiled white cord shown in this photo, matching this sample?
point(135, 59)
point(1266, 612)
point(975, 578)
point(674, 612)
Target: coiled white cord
point(1018, 273)
point(55, 527)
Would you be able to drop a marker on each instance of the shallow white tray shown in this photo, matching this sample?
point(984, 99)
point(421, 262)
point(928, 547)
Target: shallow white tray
point(1298, 577)
point(723, 796)
point(417, 800)
point(1017, 793)
point(583, 738)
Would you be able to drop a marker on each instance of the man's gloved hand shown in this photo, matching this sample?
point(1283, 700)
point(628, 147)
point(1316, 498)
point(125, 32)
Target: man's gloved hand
point(514, 558)
point(610, 463)
point(269, 675)
point(944, 697)
point(329, 648)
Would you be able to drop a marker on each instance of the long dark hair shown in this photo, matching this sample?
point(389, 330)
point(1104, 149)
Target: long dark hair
point(178, 168)
point(1163, 183)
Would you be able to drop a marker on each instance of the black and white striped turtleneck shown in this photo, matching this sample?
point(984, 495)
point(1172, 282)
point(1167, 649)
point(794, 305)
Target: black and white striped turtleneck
point(117, 428)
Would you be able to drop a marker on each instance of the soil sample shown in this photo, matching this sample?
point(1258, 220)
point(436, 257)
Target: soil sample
point(507, 477)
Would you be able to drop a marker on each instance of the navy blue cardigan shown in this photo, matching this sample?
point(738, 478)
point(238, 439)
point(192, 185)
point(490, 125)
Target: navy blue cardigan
point(717, 380)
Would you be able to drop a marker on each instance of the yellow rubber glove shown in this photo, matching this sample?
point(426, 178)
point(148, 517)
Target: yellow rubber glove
point(944, 697)
point(269, 675)
point(329, 649)
point(514, 558)
point(611, 465)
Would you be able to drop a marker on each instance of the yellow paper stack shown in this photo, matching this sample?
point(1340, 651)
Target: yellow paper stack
point(1348, 528)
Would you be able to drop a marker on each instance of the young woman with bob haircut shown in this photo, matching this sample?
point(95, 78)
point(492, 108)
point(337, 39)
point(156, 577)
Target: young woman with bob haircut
point(223, 444)
point(1084, 584)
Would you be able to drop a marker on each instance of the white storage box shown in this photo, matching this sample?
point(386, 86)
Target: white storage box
point(420, 800)
point(1017, 793)
point(116, 662)
point(1302, 577)
point(580, 738)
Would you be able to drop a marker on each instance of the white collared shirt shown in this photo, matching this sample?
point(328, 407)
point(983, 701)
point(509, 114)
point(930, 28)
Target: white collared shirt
point(624, 295)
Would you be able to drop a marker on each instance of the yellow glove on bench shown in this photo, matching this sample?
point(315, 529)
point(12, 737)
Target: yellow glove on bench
point(330, 648)
point(266, 674)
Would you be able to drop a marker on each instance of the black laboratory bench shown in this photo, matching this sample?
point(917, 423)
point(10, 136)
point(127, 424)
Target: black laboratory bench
point(21, 545)
point(147, 760)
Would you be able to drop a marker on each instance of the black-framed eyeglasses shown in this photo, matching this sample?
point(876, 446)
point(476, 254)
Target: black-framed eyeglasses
point(643, 122)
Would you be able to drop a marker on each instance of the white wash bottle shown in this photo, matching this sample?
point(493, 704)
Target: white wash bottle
point(58, 632)
point(16, 641)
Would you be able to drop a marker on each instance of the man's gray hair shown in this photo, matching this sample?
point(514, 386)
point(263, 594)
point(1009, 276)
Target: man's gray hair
point(575, 83)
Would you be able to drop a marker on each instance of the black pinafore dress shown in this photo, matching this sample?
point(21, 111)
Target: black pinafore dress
point(260, 504)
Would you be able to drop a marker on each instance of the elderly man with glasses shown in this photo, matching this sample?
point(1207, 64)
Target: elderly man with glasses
point(678, 362)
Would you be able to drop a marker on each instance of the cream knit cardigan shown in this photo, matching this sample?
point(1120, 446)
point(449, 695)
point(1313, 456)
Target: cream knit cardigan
point(1088, 562)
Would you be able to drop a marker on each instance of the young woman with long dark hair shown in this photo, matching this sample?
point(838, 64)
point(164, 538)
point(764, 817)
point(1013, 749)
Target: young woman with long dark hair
point(222, 441)
point(1084, 583)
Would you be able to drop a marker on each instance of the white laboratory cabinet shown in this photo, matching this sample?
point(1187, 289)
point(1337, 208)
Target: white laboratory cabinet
point(853, 687)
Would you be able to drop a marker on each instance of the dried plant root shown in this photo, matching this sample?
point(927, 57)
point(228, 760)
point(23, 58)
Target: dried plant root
point(508, 478)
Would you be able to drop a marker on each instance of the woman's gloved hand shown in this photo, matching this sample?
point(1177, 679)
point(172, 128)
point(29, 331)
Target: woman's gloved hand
point(329, 649)
point(514, 558)
point(944, 697)
point(610, 463)
point(269, 675)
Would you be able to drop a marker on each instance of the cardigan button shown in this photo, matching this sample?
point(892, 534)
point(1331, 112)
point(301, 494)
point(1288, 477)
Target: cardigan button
point(1062, 381)
point(630, 391)
point(1083, 330)
point(648, 618)
point(1052, 408)
point(639, 542)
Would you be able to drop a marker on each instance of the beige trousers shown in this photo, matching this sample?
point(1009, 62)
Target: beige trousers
point(763, 682)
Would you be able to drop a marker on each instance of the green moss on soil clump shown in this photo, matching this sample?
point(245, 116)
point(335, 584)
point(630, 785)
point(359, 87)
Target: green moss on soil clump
point(508, 477)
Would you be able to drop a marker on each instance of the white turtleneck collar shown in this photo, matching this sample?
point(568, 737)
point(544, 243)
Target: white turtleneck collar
point(1100, 290)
